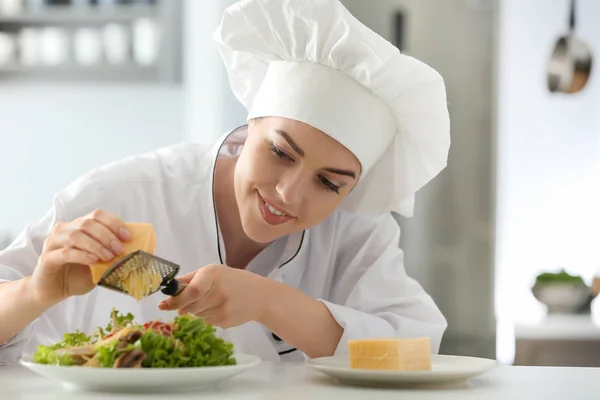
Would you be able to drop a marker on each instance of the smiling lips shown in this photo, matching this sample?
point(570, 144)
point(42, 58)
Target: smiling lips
point(270, 213)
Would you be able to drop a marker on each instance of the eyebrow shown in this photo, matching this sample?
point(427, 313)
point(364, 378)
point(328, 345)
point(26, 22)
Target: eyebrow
point(290, 141)
point(341, 172)
point(300, 152)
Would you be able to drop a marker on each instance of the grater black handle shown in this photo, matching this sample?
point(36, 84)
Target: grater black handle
point(174, 287)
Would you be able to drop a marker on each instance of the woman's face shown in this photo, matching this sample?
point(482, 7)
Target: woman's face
point(290, 177)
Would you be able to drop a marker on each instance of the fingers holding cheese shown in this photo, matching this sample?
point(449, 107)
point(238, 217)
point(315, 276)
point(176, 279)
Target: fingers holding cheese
point(98, 233)
point(77, 254)
point(96, 237)
point(142, 238)
point(118, 228)
point(68, 255)
point(101, 240)
point(90, 243)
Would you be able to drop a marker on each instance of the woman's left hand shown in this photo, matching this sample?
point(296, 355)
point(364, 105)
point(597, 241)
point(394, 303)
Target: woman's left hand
point(223, 296)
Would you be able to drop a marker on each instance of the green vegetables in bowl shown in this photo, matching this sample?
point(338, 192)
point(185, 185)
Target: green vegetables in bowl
point(559, 277)
point(187, 341)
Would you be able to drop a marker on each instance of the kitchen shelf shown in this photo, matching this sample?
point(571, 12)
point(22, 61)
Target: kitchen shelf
point(165, 14)
point(81, 14)
point(73, 72)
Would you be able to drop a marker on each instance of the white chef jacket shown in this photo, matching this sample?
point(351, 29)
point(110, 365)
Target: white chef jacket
point(352, 263)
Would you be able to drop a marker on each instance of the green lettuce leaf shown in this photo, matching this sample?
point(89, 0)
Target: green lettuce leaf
point(203, 347)
point(193, 344)
point(47, 354)
point(119, 321)
point(161, 351)
point(75, 339)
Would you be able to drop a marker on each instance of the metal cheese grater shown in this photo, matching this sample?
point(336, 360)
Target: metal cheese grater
point(140, 259)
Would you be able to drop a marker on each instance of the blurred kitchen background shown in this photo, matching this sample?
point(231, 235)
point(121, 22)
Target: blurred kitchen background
point(506, 239)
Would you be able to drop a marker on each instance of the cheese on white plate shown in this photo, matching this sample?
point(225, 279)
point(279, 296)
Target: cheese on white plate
point(390, 354)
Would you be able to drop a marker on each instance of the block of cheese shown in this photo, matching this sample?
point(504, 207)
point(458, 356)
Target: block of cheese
point(142, 238)
point(390, 354)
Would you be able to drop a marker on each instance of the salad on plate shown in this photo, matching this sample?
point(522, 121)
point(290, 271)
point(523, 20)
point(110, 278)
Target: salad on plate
point(187, 341)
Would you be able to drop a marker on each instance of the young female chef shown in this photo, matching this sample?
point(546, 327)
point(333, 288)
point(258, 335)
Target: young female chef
point(283, 228)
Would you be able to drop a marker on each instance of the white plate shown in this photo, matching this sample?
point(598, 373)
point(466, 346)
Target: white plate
point(142, 379)
point(446, 370)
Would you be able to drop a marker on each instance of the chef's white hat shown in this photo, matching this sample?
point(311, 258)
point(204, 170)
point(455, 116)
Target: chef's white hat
point(312, 61)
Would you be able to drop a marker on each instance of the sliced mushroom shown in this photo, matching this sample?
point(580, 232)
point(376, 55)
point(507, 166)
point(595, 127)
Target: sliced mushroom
point(131, 359)
point(132, 336)
point(128, 339)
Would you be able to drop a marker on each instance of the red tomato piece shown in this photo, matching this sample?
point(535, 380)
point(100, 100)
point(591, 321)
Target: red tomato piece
point(159, 327)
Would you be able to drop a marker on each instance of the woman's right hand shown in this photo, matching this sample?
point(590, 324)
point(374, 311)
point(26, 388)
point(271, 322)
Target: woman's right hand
point(63, 267)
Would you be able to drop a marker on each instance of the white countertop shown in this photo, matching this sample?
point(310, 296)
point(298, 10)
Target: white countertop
point(297, 381)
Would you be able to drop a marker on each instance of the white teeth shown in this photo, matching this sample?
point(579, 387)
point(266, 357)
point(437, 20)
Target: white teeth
point(274, 211)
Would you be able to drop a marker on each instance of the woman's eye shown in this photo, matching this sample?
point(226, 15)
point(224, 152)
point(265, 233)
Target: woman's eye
point(328, 185)
point(277, 152)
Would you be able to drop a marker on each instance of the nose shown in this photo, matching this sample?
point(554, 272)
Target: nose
point(292, 187)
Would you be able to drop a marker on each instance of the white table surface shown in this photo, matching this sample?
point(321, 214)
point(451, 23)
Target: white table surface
point(296, 381)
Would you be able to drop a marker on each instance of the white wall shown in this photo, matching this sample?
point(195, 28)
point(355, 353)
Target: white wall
point(211, 108)
point(49, 134)
point(549, 160)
